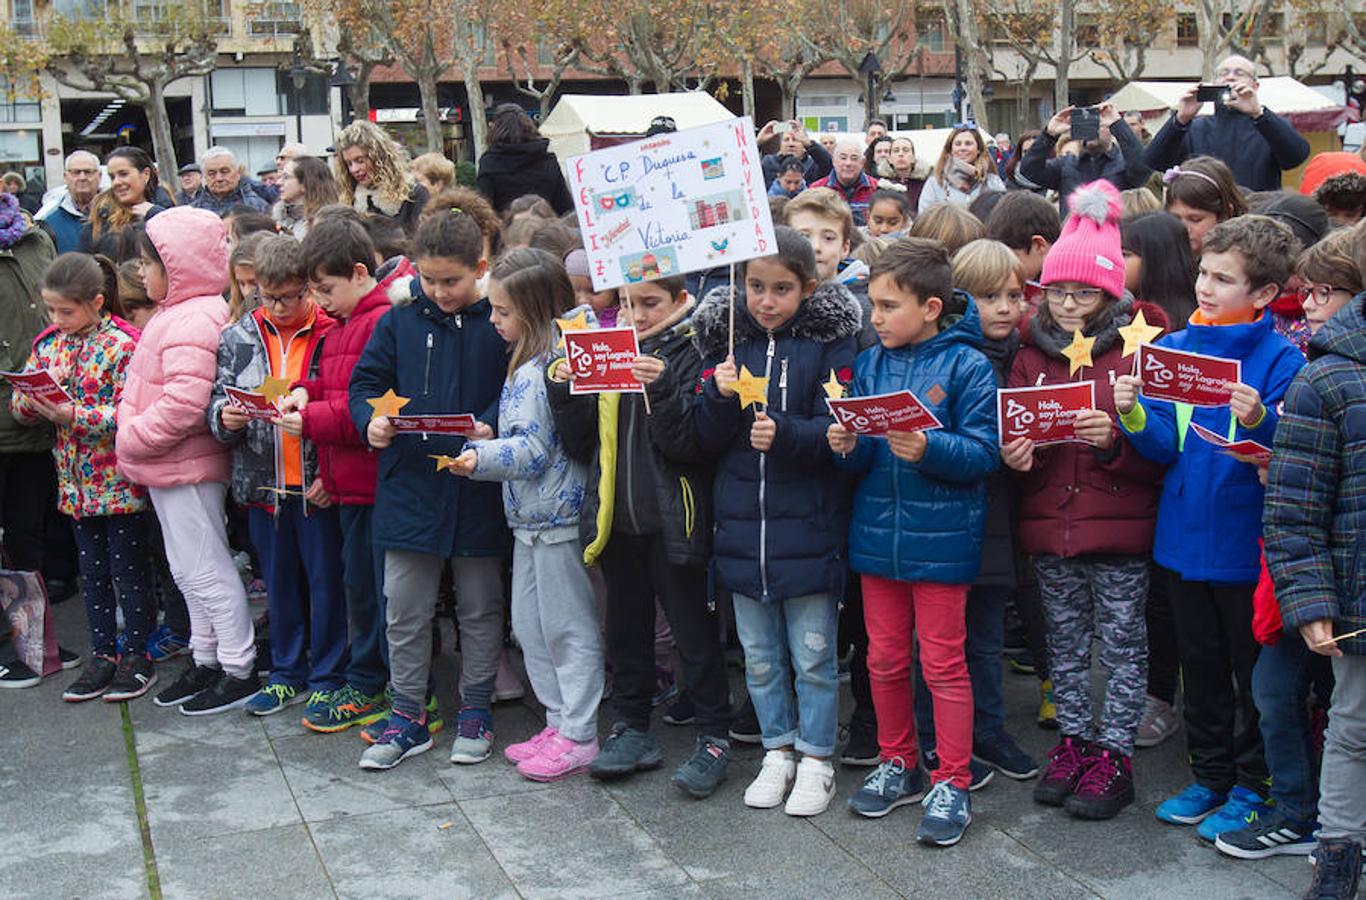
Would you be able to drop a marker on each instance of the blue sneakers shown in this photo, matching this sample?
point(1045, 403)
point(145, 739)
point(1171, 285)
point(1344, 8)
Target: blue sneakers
point(981, 772)
point(888, 786)
point(948, 812)
point(274, 697)
point(403, 737)
point(1190, 807)
point(1269, 833)
point(1233, 815)
point(473, 736)
point(164, 644)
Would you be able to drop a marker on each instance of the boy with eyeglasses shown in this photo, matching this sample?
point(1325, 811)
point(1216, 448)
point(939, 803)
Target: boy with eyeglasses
point(291, 517)
point(1209, 516)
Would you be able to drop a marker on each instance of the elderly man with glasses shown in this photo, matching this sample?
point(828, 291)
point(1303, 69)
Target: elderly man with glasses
point(65, 210)
point(1252, 140)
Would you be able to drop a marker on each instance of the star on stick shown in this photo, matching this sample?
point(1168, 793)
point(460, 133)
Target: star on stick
point(443, 462)
point(751, 388)
point(576, 322)
point(1138, 332)
point(1078, 352)
point(273, 389)
point(387, 404)
point(833, 389)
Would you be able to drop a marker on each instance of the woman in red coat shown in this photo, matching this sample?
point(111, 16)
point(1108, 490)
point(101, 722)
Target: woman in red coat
point(1088, 509)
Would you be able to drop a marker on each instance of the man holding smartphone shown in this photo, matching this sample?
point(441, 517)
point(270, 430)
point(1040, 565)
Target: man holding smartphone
point(793, 141)
point(1109, 150)
point(1252, 140)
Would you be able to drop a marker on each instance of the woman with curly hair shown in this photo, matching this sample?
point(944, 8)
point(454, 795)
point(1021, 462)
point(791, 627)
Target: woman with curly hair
point(117, 214)
point(306, 186)
point(372, 173)
point(963, 171)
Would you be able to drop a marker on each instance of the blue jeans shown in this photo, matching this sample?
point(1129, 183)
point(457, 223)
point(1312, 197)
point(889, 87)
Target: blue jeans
point(986, 637)
point(113, 553)
point(302, 553)
point(363, 573)
point(786, 638)
point(1280, 687)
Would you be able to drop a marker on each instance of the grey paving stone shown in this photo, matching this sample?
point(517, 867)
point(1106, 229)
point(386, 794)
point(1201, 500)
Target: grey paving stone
point(426, 852)
point(571, 841)
point(279, 863)
point(323, 775)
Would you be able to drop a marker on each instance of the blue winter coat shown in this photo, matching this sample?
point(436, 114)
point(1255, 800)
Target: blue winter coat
point(924, 521)
point(445, 363)
point(1210, 515)
point(781, 515)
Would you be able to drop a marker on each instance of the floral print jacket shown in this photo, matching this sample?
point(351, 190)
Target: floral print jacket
point(91, 366)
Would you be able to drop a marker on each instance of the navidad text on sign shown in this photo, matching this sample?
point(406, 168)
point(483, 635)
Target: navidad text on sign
point(672, 203)
point(881, 413)
point(450, 423)
point(39, 383)
point(252, 404)
point(600, 360)
point(1046, 414)
point(1184, 377)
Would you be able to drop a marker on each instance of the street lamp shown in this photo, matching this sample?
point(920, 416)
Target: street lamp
point(869, 68)
point(298, 75)
point(342, 78)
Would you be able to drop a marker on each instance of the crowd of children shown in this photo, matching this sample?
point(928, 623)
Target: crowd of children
point(726, 481)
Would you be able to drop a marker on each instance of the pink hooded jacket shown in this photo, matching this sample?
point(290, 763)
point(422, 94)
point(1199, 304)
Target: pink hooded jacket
point(163, 435)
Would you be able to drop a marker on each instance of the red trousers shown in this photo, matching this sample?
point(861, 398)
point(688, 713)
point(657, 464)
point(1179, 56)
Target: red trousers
point(894, 611)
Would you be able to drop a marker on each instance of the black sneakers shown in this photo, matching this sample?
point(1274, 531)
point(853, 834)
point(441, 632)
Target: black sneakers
point(228, 692)
point(94, 680)
point(14, 674)
point(135, 674)
point(1337, 871)
point(192, 680)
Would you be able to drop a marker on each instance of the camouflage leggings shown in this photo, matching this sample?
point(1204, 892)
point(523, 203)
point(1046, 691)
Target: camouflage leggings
point(1102, 596)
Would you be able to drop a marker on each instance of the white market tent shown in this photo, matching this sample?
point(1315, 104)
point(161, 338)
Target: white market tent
point(578, 119)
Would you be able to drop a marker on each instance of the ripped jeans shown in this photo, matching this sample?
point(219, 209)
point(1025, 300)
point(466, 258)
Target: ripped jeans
point(790, 639)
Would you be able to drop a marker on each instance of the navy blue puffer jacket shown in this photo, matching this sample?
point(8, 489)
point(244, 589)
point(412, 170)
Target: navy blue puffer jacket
point(780, 516)
point(924, 521)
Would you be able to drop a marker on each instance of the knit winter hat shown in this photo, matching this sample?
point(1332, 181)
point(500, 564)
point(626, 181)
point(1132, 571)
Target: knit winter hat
point(1088, 250)
point(576, 263)
point(1326, 165)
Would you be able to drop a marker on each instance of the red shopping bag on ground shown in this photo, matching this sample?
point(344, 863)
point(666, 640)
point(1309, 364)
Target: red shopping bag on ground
point(27, 613)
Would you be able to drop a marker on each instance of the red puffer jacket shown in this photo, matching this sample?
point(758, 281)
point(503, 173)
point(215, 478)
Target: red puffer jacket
point(347, 465)
point(1077, 499)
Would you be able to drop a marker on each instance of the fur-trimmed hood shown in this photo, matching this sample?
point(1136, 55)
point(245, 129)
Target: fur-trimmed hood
point(1042, 332)
point(829, 314)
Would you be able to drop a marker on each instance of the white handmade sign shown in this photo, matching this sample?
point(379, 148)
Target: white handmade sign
point(672, 203)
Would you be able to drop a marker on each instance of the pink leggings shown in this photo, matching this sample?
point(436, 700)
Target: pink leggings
point(894, 611)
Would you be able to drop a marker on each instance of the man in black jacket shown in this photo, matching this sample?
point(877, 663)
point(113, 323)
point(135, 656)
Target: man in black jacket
point(1255, 143)
point(1116, 156)
point(792, 141)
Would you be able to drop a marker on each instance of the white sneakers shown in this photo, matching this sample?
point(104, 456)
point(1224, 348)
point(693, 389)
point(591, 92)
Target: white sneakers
point(812, 783)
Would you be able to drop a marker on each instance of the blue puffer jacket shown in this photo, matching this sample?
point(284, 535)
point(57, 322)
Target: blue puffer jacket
point(1210, 515)
point(780, 515)
point(445, 363)
point(924, 521)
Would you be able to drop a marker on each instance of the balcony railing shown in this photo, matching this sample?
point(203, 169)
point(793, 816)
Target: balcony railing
point(275, 20)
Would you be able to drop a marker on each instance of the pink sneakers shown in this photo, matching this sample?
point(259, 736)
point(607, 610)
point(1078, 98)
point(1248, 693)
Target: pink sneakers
point(517, 753)
point(559, 757)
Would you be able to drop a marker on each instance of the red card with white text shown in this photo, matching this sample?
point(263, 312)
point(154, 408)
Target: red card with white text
point(600, 361)
point(881, 413)
point(38, 383)
point(456, 423)
point(1244, 451)
point(1183, 377)
point(1046, 414)
point(254, 405)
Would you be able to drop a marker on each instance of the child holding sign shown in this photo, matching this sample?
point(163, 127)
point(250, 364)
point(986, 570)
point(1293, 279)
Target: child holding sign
point(290, 516)
point(89, 347)
point(916, 535)
point(647, 521)
point(554, 613)
point(441, 352)
point(1209, 516)
point(780, 509)
point(1088, 508)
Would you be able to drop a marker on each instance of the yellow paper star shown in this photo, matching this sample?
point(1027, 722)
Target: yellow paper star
point(274, 388)
point(833, 389)
point(1138, 332)
point(576, 322)
point(442, 462)
point(1078, 352)
point(751, 388)
point(387, 404)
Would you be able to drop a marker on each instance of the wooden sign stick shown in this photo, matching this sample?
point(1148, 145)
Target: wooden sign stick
point(1341, 637)
point(731, 344)
point(631, 311)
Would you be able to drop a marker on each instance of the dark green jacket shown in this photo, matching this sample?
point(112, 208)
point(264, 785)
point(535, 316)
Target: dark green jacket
point(22, 317)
